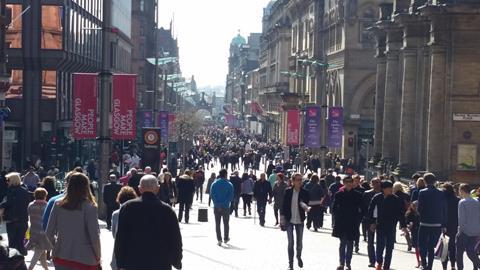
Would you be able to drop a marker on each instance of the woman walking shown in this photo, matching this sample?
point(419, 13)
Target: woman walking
point(295, 204)
point(247, 193)
point(15, 212)
point(186, 190)
point(73, 227)
point(38, 240)
point(168, 190)
point(210, 181)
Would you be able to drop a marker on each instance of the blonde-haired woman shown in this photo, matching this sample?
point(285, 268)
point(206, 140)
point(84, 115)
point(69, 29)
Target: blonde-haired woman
point(15, 211)
point(73, 227)
point(38, 240)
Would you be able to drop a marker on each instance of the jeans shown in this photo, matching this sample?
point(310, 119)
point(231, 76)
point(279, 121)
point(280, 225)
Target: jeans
point(299, 235)
point(109, 216)
point(182, 207)
point(276, 211)
point(198, 190)
point(315, 216)
point(385, 241)
point(466, 243)
point(346, 251)
point(427, 240)
point(16, 233)
point(261, 208)
point(247, 203)
point(234, 205)
point(222, 213)
point(371, 246)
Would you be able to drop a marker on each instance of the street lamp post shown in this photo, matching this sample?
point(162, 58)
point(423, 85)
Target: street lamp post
point(105, 104)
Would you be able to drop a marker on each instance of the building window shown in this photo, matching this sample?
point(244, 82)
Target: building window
point(142, 5)
point(367, 21)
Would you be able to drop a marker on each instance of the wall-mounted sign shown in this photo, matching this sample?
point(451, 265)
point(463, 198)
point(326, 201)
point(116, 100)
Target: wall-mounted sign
point(475, 117)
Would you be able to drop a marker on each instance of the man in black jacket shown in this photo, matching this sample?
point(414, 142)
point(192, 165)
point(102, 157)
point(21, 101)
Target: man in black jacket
point(385, 211)
point(367, 198)
point(110, 192)
point(148, 236)
point(237, 187)
point(262, 192)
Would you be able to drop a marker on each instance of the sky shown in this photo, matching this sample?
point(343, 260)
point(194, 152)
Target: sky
point(205, 28)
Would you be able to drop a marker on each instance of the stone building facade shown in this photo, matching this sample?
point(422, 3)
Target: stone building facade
point(428, 70)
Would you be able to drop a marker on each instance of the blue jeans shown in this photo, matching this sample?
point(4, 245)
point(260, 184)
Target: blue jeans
point(299, 235)
point(466, 243)
point(345, 251)
point(261, 209)
point(371, 246)
point(427, 240)
point(385, 241)
point(222, 213)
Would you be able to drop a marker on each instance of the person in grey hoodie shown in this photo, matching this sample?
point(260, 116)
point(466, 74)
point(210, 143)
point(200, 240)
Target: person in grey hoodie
point(468, 227)
point(278, 193)
point(247, 193)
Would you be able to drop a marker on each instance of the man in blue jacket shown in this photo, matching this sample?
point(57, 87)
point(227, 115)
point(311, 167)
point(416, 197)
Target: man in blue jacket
point(432, 210)
point(222, 195)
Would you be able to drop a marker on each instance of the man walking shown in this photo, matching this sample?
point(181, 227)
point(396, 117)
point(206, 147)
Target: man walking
point(468, 227)
point(294, 206)
point(110, 192)
point(262, 191)
point(148, 235)
point(433, 217)
point(221, 193)
point(367, 198)
point(199, 180)
point(385, 211)
point(346, 208)
point(237, 190)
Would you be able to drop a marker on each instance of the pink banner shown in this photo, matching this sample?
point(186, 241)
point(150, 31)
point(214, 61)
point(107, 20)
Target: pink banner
point(293, 127)
point(124, 107)
point(84, 106)
point(172, 132)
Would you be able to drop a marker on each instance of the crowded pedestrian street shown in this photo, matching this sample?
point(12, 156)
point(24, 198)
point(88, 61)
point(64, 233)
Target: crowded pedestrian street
point(255, 247)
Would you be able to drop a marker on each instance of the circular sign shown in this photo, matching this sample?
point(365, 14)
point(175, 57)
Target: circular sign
point(151, 137)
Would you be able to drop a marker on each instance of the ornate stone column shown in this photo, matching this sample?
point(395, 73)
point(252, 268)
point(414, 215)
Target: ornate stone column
point(413, 32)
point(391, 117)
point(379, 91)
point(436, 108)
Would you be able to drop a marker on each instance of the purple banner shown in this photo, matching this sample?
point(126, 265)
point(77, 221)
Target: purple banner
point(335, 127)
point(163, 124)
point(147, 119)
point(313, 121)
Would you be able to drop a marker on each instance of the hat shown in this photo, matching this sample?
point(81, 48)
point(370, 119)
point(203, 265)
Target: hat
point(386, 184)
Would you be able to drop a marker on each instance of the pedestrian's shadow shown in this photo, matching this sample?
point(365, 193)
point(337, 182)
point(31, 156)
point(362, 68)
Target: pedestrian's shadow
point(232, 247)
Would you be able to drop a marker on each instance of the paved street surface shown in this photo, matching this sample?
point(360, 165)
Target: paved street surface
point(254, 247)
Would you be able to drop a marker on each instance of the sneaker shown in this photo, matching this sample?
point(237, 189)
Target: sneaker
point(348, 267)
point(226, 240)
point(357, 250)
point(219, 243)
point(372, 265)
point(340, 267)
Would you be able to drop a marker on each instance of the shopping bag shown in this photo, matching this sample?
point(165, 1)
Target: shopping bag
point(441, 250)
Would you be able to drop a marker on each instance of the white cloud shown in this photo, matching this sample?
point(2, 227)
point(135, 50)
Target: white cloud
point(205, 29)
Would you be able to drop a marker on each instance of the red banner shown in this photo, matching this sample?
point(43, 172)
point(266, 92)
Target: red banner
point(293, 127)
point(172, 131)
point(84, 106)
point(124, 107)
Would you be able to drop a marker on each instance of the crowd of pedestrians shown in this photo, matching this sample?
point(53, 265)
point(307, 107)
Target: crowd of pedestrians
point(63, 226)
